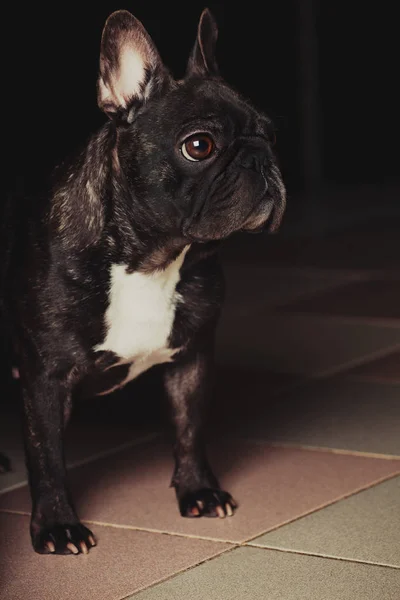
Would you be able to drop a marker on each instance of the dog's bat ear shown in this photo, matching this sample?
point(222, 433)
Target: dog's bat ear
point(202, 59)
point(131, 70)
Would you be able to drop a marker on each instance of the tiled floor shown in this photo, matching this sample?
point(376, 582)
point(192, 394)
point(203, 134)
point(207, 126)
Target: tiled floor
point(304, 432)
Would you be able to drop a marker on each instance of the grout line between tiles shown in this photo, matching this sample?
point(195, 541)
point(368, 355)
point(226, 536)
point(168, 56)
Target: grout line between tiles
point(319, 272)
point(329, 286)
point(205, 538)
point(317, 555)
point(309, 272)
point(11, 511)
point(373, 379)
point(244, 545)
point(180, 572)
point(162, 532)
point(92, 458)
point(140, 440)
point(392, 322)
point(305, 379)
point(340, 451)
point(236, 545)
point(236, 542)
point(356, 362)
point(13, 487)
point(325, 505)
point(225, 541)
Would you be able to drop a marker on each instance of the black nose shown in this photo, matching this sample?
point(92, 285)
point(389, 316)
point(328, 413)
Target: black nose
point(253, 153)
point(253, 161)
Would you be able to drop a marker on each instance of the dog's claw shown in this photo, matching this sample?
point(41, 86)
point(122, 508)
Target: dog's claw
point(207, 502)
point(83, 548)
point(73, 548)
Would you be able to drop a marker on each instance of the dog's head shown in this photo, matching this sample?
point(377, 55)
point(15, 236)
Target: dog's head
point(193, 151)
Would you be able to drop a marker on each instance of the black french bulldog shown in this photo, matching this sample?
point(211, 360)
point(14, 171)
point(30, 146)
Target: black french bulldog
point(117, 270)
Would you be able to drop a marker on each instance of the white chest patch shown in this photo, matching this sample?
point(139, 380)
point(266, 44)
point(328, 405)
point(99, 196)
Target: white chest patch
point(140, 316)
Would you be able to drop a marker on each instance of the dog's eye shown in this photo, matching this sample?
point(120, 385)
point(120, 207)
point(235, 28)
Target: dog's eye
point(197, 147)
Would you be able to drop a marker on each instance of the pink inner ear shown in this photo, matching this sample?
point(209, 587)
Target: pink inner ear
point(127, 55)
point(125, 82)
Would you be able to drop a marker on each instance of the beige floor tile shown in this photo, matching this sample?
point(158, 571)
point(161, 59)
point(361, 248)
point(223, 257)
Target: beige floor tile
point(305, 345)
point(257, 287)
point(255, 574)
point(84, 441)
point(369, 246)
point(361, 299)
point(335, 412)
point(123, 562)
point(385, 369)
point(241, 395)
point(364, 527)
point(272, 486)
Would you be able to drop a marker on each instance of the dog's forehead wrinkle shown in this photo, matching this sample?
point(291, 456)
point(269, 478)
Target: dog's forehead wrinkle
point(199, 105)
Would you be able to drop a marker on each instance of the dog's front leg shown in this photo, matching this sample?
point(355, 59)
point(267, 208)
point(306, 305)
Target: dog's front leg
point(197, 489)
point(55, 527)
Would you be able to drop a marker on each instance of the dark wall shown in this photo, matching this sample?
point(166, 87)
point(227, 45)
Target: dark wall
point(359, 55)
point(51, 69)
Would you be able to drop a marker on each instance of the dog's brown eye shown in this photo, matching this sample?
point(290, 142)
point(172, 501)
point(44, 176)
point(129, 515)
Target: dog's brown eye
point(197, 147)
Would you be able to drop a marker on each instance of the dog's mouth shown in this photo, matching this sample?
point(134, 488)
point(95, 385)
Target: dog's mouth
point(265, 212)
point(269, 212)
point(253, 230)
point(259, 217)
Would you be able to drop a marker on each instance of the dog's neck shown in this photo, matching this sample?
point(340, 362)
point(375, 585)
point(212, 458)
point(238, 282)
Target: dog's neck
point(93, 205)
point(78, 210)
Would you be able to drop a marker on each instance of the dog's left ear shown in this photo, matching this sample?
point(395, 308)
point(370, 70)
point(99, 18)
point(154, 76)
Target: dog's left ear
point(131, 70)
point(202, 59)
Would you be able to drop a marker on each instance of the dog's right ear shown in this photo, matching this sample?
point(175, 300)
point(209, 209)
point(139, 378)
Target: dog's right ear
point(131, 70)
point(202, 61)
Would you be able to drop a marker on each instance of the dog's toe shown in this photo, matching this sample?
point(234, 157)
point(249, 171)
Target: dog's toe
point(64, 539)
point(207, 502)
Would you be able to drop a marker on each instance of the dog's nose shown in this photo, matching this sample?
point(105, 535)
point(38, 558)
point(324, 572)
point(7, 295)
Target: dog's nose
point(252, 161)
point(254, 154)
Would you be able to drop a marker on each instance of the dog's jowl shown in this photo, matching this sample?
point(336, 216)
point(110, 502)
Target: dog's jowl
point(116, 270)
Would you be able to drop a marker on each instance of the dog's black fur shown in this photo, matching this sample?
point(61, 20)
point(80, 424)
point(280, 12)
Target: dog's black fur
point(131, 197)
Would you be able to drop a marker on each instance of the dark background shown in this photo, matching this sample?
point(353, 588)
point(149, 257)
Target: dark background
point(324, 71)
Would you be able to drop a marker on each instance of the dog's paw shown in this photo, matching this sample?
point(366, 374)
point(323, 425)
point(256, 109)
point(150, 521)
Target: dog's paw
point(5, 464)
point(207, 502)
point(64, 539)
